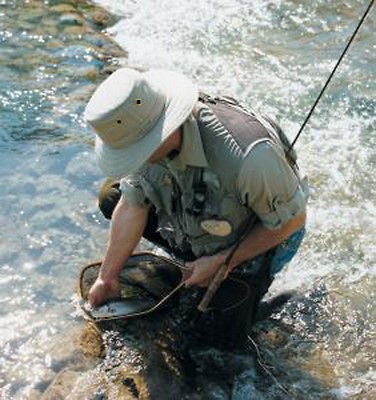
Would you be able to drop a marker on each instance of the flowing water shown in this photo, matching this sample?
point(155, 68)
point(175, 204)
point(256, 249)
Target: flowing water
point(272, 55)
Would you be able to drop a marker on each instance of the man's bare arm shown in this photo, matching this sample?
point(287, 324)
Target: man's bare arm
point(262, 239)
point(258, 241)
point(127, 226)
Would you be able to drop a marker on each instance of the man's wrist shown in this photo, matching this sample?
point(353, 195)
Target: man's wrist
point(107, 275)
point(221, 257)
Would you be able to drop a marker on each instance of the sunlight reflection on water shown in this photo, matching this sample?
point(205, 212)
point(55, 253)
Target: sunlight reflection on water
point(275, 56)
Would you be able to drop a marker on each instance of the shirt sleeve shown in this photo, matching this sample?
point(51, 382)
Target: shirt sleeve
point(132, 192)
point(268, 185)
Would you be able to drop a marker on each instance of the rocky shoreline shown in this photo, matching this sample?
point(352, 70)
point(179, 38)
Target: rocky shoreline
point(84, 21)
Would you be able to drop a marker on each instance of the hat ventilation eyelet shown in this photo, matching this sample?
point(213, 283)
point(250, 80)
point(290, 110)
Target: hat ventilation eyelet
point(138, 102)
point(119, 121)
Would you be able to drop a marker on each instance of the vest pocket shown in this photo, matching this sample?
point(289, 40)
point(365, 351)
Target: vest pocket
point(233, 211)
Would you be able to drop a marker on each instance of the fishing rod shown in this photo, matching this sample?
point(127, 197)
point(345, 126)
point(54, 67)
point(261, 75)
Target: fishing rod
point(215, 283)
point(331, 75)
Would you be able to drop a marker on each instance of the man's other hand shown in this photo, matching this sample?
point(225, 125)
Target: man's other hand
point(102, 291)
point(201, 271)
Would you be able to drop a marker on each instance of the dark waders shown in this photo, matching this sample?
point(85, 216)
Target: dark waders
point(233, 309)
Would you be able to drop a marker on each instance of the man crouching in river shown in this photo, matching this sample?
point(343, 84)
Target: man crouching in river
point(198, 176)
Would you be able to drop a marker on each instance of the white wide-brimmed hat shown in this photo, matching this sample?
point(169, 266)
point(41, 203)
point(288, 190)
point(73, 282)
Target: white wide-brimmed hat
point(133, 112)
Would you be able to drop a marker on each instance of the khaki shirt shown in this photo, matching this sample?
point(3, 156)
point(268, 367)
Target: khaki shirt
point(264, 184)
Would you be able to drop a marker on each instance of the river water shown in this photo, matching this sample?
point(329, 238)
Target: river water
point(272, 55)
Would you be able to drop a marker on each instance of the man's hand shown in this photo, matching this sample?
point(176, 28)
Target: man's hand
point(201, 271)
point(102, 291)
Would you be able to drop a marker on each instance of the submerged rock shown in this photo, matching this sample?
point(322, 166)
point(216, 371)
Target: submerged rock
point(244, 387)
point(62, 385)
point(71, 19)
point(101, 17)
point(63, 7)
point(157, 357)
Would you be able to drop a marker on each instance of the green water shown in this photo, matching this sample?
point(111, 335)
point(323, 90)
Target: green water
point(274, 56)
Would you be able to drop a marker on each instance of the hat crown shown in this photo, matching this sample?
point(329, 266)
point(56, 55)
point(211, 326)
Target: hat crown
point(124, 108)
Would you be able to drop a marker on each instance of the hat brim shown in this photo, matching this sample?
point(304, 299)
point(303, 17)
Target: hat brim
point(181, 97)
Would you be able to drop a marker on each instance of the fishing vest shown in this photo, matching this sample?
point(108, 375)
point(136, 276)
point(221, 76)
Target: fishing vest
point(245, 126)
point(199, 209)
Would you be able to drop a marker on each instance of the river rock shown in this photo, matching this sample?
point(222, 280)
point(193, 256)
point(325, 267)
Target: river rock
point(101, 17)
point(70, 19)
point(244, 387)
point(62, 385)
point(63, 8)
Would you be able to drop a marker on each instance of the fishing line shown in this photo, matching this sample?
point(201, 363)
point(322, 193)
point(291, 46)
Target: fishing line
point(331, 74)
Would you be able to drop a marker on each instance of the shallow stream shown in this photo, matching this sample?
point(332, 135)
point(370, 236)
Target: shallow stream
point(274, 56)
